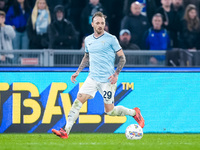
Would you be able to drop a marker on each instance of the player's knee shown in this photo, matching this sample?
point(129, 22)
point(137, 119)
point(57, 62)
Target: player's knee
point(83, 97)
point(111, 113)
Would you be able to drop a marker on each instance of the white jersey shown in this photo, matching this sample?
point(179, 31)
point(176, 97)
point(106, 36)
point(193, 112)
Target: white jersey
point(102, 51)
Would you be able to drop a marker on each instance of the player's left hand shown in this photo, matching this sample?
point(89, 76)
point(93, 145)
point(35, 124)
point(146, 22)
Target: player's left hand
point(113, 79)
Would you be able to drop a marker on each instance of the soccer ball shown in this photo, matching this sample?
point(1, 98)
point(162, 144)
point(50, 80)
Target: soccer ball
point(134, 132)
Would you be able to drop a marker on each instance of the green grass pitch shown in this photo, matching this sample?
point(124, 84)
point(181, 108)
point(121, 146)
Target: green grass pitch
point(94, 141)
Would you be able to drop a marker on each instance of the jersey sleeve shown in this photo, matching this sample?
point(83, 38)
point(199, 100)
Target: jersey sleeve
point(115, 44)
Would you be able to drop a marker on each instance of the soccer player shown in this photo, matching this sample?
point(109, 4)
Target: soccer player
point(100, 50)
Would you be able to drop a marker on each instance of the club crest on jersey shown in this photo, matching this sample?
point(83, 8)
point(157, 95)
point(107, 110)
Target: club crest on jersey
point(103, 42)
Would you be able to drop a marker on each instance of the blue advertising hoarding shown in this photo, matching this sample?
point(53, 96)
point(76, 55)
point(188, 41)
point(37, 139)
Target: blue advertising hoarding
point(34, 102)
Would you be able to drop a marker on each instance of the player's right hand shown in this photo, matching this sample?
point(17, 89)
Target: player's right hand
point(73, 77)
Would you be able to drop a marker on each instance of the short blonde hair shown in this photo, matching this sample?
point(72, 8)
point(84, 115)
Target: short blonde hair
point(99, 14)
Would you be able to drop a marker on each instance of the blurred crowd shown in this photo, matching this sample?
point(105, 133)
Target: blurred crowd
point(63, 24)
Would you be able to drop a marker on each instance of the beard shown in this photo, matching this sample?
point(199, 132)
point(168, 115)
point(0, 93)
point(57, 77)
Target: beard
point(99, 30)
point(125, 41)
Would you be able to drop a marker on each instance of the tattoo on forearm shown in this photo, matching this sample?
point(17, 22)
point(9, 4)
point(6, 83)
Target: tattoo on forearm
point(84, 62)
point(122, 61)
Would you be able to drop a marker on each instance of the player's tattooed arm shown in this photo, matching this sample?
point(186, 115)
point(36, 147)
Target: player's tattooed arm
point(84, 63)
point(122, 61)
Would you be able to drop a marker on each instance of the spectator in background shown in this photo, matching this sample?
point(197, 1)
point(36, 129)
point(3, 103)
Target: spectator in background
point(151, 7)
point(73, 9)
point(194, 2)
point(126, 44)
point(190, 28)
point(3, 5)
point(50, 3)
point(62, 35)
point(169, 20)
point(177, 6)
point(178, 9)
point(7, 33)
point(38, 24)
point(53, 3)
point(125, 40)
point(17, 16)
point(86, 18)
point(126, 6)
point(136, 23)
point(157, 38)
point(166, 12)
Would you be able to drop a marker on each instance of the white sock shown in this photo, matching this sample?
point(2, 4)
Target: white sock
point(73, 115)
point(121, 111)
